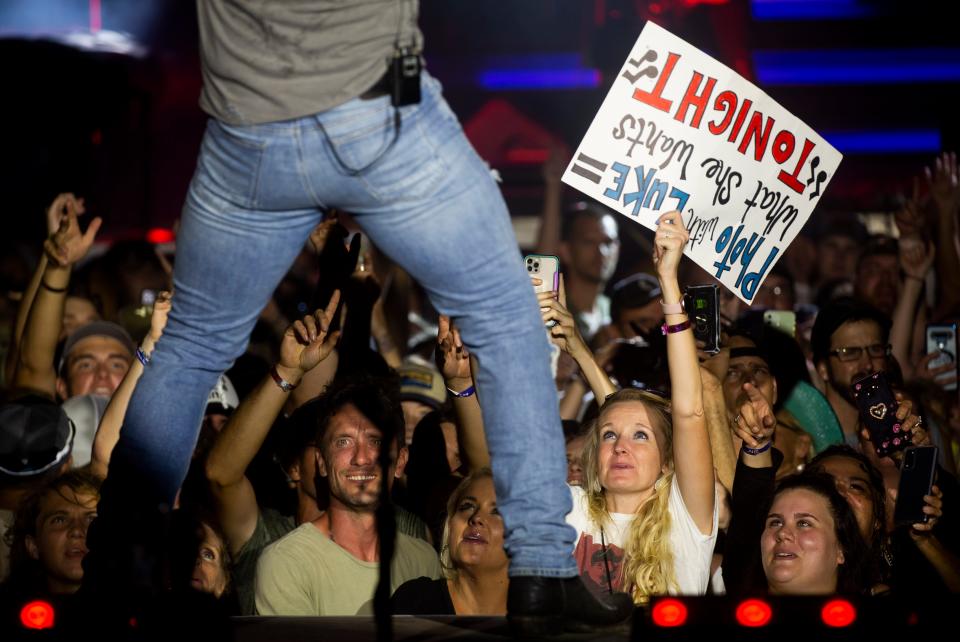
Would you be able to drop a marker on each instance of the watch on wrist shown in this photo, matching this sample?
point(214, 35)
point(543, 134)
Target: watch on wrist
point(285, 385)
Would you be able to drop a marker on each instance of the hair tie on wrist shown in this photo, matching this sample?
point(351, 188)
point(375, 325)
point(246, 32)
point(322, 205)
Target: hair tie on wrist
point(142, 357)
point(465, 393)
point(52, 289)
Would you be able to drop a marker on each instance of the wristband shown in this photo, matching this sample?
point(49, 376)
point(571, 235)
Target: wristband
point(142, 357)
point(673, 329)
point(286, 386)
point(52, 289)
point(465, 393)
point(756, 451)
point(672, 308)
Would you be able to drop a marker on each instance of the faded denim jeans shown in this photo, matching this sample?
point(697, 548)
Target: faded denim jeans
point(431, 205)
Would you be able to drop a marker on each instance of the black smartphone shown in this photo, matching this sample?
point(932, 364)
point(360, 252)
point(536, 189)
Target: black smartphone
point(942, 338)
point(916, 480)
point(878, 412)
point(702, 303)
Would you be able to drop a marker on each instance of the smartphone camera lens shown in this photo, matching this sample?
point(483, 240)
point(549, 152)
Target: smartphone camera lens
point(536, 266)
point(529, 268)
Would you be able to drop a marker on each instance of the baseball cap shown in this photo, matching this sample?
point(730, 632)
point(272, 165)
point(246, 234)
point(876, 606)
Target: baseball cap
point(634, 291)
point(96, 329)
point(35, 436)
point(420, 383)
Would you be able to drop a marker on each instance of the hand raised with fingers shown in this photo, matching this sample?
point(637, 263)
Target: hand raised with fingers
point(755, 421)
point(58, 210)
point(910, 219)
point(944, 182)
point(453, 358)
point(161, 309)
point(924, 372)
point(668, 243)
point(308, 341)
point(564, 332)
point(916, 257)
point(932, 506)
point(69, 243)
point(318, 237)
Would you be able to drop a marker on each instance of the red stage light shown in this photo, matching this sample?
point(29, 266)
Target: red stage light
point(754, 613)
point(838, 613)
point(158, 235)
point(669, 612)
point(37, 615)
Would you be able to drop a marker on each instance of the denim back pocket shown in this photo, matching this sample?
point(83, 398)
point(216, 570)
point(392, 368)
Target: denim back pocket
point(230, 162)
point(413, 167)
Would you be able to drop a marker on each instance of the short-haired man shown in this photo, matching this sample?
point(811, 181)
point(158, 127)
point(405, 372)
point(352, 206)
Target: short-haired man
point(95, 359)
point(850, 341)
point(589, 249)
point(878, 274)
point(330, 566)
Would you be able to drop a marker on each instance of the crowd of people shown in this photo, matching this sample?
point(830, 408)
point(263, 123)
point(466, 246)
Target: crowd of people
point(181, 426)
point(670, 449)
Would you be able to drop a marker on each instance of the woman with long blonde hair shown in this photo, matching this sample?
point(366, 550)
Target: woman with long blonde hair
point(646, 515)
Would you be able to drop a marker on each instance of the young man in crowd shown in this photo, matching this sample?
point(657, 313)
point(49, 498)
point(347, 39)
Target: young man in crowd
point(877, 281)
point(850, 341)
point(589, 250)
point(330, 566)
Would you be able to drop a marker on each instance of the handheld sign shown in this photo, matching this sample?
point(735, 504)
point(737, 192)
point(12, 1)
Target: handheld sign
point(680, 131)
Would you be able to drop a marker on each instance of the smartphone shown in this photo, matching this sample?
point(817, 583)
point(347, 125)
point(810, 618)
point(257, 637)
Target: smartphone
point(702, 303)
point(916, 480)
point(942, 338)
point(878, 412)
point(148, 297)
point(545, 267)
point(783, 320)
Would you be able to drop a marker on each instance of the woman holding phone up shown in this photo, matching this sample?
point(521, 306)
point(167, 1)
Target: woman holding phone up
point(646, 515)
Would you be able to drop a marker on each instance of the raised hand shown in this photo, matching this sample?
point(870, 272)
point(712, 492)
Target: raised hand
point(453, 359)
point(922, 371)
point(910, 219)
point(944, 182)
point(69, 243)
point(916, 257)
point(161, 309)
point(932, 506)
point(564, 332)
point(668, 244)
point(309, 341)
point(755, 421)
point(58, 209)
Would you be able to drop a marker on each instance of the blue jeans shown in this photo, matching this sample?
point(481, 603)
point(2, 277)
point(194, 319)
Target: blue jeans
point(431, 205)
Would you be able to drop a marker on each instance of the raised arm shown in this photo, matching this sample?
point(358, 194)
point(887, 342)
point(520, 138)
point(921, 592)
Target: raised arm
point(916, 259)
point(108, 432)
point(693, 461)
point(718, 427)
point(69, 244)
point(944, 182)
point(553, 307)
point(454, 364)
point(305, 344)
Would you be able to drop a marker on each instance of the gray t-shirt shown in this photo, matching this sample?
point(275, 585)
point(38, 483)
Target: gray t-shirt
point(267, 61)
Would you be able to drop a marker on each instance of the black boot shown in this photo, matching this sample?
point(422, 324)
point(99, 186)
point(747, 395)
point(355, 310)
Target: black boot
point(542, 606)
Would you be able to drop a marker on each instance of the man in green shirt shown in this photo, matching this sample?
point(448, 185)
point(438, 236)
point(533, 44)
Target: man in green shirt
point(329, 566)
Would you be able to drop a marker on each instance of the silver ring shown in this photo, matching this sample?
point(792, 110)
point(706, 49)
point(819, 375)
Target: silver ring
point(736, 420)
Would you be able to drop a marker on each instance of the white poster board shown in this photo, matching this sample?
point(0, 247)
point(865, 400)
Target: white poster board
point(680, 131)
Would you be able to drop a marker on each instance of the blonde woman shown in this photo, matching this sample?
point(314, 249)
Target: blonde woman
point(472, 556)
point(646, 515)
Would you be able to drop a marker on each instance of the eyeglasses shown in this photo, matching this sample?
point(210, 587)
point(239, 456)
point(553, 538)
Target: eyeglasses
point(853, 353)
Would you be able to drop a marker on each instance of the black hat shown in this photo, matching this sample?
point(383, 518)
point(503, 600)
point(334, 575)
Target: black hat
point(634, 291)
point(35, 437)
